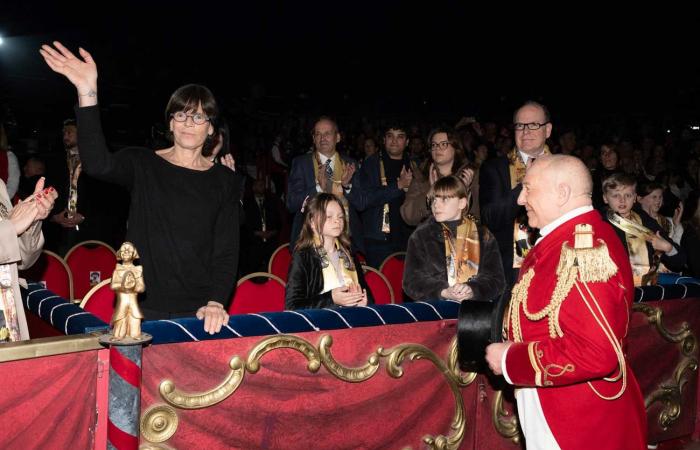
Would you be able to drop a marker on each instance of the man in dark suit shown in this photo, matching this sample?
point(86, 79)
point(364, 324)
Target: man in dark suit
point(262, 226)
point(500, 183)
point(324, 170)
point(385, 176)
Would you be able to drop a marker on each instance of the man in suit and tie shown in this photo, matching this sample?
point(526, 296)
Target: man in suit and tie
point(324, 170)
point(262, 226)
point(500, 183)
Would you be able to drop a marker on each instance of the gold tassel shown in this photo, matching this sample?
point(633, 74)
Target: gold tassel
point(593, 264)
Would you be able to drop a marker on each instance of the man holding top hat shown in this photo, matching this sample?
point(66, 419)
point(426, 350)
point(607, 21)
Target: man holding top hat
point(567, 321)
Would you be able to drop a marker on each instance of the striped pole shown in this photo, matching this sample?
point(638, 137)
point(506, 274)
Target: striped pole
point(124, 397)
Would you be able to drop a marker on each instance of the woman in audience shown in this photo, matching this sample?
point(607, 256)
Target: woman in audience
point(690, 242)
point(21, 242)
point(183, 218)
point(450, 256)
point(650, 196)
point(323, 273)
point(446, 158)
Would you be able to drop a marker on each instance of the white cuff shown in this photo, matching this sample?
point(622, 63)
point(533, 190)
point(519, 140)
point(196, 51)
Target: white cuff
point(503, 366)
point(673, 252)
point(318, 188)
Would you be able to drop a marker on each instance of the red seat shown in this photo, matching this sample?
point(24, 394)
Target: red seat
point(90, 262)
point(392, 269)
point(280, 262)
point(100, 300)
point(252, 297)
point(52, 271)
point(379, 285)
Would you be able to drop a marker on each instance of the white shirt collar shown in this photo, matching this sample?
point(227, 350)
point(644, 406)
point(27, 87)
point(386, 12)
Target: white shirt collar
point(545, 230)
point(525, 157)
point(323, 158)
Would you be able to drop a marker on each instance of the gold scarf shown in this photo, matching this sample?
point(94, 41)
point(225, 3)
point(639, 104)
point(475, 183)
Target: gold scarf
point(386, 226)
point(643, 270)
point(338, 168)
point(517, 169)
point(462, 252)
point(330, 276)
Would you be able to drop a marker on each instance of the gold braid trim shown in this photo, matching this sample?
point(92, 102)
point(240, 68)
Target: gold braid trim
point(583, 262)
point(518, 296)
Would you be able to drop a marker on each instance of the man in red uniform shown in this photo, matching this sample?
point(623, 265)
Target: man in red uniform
point(568, 317)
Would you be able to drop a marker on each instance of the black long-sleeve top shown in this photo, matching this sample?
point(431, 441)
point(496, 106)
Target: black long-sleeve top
point(183, 222)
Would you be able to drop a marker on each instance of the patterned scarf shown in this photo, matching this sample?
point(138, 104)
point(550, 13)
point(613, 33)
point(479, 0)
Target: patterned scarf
point(522, 233)
point(331, 278)
point(462, 253)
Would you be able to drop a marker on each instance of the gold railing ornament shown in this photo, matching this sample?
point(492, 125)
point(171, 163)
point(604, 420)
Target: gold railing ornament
point(505, 424)
point(127, 283)
point(670, 394)
point(159, 422)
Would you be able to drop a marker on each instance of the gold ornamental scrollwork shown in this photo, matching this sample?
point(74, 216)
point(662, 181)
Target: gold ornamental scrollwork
point(185, 400)
point(283, 341)
point(505, 424)
point(159, 422)
point(463, 379)
point(684, 336)
point(349, 374)
point(670, 394)
point(395, 358)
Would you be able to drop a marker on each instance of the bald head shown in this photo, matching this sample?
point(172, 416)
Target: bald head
point(568, 170)
point(553, 186)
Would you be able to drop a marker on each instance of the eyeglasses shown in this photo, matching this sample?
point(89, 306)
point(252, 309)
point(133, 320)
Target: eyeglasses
point(441, 145)
point(532, 126)
point(327, 134)
point(197, 118)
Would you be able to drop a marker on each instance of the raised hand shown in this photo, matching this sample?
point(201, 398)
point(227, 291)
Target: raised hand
point(467, 176)
point(405, 178)
point(229, 162)
point(23, 215)
point(678, 214)
point(348, 172)
point(322, 177)
point(433, 174)
point(660, 244)
point(82, 72)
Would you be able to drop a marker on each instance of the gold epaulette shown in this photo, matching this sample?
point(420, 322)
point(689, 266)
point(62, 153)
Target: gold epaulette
point(592, 264)
point(473, 219)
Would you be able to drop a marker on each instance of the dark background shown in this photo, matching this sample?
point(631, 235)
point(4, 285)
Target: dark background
point(429, 60)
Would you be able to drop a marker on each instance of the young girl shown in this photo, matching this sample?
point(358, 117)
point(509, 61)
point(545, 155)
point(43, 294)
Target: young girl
point(449, 255)
point(650, 196)
point(323, 273)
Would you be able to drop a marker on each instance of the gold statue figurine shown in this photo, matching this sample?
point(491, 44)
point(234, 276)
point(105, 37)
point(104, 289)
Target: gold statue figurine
point(127, 283)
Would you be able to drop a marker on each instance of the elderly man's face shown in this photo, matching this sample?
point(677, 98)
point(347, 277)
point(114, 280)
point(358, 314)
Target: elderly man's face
point(326, 137)
point(529, 141)
point(539, 196)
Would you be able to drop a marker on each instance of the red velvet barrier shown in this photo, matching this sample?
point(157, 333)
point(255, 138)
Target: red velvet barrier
point(285, 406)
point(654, 360)
point(48, 403)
